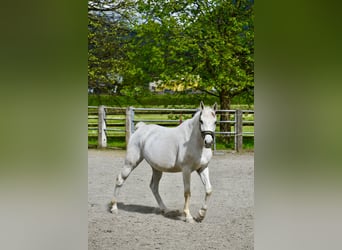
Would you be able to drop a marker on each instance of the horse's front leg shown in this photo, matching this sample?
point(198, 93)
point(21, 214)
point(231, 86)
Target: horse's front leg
point(187, 194)
point(204, 174)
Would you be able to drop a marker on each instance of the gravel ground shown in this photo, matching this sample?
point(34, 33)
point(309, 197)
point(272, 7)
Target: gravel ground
point(139, 225)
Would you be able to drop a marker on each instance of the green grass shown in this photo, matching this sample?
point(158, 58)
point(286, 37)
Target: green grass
point(248, 143)
point(120, 143)
point(117, 140)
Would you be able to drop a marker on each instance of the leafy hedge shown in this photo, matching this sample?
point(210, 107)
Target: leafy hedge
point(160, 100)
point(165, 100)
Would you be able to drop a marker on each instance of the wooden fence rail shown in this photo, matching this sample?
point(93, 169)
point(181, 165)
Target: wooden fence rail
point(121, 121)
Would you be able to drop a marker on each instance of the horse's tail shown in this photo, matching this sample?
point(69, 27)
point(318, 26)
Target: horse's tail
point(139, 124)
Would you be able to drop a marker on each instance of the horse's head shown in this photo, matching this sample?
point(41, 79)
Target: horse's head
point(207, 124)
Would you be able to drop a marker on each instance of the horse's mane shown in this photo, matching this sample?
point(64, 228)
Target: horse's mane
point(197, 112)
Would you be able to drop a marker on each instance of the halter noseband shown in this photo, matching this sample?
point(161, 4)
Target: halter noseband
point(207, 132)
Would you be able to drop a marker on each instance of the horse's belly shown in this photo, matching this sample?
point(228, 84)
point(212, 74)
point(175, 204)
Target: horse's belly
point(163, 162)
point(164, 166)
point(174, 169)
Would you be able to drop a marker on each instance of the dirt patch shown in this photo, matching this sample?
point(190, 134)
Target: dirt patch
point(139, 224)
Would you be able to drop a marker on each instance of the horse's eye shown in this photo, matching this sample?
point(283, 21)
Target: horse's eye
point(201, 121)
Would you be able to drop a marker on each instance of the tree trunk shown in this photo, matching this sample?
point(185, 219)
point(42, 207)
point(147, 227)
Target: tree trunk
point(225, 101)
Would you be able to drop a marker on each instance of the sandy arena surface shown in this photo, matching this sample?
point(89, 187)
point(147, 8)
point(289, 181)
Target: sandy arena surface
point(139, 225)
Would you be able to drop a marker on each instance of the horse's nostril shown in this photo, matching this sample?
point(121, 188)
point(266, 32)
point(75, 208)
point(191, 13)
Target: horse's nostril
point(207, 144)
point(208, 139)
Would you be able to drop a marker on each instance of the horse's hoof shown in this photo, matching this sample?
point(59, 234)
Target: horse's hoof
point(189, 220)
point(114, 211)
point(199, 219)
point(200, 216)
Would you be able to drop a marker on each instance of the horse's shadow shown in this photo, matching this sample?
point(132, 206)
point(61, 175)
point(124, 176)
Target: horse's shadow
point(134, 208)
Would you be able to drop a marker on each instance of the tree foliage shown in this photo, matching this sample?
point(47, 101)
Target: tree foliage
point(211, 39)
point(108, 29)
point(208, 45)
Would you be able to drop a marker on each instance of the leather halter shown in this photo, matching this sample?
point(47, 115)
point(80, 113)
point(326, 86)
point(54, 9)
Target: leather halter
point(205, 132)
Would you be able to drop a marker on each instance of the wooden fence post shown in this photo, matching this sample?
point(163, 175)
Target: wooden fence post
point(238, 130)
point(129, 123)
point(102, 138)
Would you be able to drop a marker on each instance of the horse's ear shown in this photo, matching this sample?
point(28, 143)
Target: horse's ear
point(215, 107)
point(202, 105)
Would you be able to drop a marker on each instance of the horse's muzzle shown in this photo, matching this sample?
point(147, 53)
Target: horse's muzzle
point(209, 143)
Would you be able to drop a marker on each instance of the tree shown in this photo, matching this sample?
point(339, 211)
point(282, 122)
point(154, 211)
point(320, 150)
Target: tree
point(108, 30)
point(225, 40)
point(208, 45)
point(183, 39)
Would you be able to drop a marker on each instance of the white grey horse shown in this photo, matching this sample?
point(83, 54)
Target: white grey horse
point(185, 148)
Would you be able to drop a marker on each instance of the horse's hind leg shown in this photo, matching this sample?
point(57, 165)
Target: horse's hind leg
point(154, 185)
point(133, 158)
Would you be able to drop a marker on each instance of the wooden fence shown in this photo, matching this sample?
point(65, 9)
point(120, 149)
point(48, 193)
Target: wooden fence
point(105, 122)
